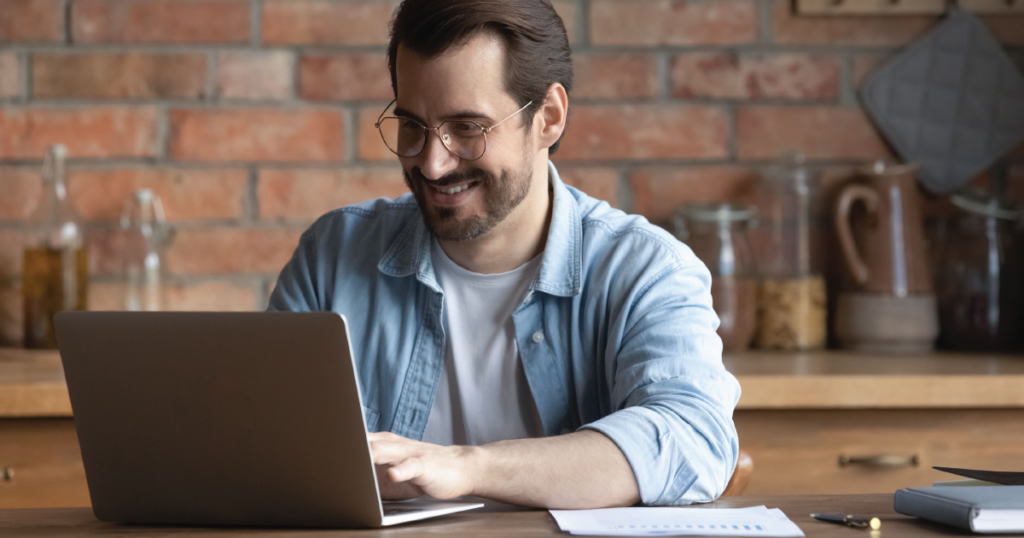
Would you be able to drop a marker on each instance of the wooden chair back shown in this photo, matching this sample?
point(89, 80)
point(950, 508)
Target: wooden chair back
point(740, 476)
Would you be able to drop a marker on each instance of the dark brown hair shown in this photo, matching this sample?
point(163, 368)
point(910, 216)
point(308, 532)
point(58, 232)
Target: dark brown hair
point(536, 46)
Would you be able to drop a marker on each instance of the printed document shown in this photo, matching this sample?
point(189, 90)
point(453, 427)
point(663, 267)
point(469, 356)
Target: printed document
point(676, 521)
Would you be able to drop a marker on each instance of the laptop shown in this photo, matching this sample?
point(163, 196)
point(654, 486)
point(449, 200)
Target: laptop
point(225, 419)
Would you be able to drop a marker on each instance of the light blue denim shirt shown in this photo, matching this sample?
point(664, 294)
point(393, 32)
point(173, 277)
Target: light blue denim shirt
point(616, 333)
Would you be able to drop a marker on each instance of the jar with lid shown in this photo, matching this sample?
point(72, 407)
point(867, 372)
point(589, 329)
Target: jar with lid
point(54, 264)
point(717, 234)
point(978, 278)
point(791, 296)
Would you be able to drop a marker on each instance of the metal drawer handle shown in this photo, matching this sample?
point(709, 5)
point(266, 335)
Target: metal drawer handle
point(879, 460)
point(7, 475)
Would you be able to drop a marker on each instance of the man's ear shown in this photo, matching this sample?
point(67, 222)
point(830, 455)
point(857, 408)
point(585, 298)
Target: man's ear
point(552, 115)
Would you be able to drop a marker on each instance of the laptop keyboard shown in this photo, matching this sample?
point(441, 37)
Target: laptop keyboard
point(396, 511)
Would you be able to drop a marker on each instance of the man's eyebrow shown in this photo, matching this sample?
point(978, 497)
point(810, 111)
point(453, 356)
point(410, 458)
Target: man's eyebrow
point(403, 113)
point(457, 115)
point(468, 115)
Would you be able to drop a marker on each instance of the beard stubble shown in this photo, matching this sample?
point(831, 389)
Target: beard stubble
point(501, 195)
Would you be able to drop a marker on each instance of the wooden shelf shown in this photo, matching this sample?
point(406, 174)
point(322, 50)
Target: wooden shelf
point(843, 380)
point(870, 7)
point(833, 363)
point(1009, 7)
point(32, 384)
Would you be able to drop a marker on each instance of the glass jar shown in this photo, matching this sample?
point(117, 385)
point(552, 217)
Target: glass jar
point(791, 296)
point(54, 266)
point(147, 237)
point(979, 284)
point(717, 234)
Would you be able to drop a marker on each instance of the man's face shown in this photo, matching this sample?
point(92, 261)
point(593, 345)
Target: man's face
point(465, 84)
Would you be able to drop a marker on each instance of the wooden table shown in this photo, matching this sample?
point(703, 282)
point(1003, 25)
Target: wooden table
point(491, 521)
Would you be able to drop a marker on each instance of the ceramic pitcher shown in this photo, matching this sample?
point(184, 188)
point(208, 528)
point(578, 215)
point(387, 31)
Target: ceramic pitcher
point(887, 256)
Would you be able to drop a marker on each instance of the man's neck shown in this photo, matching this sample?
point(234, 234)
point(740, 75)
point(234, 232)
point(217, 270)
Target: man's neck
point(516, 240)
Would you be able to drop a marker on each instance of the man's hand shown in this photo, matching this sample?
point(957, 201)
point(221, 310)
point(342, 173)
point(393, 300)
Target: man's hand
point(579, 470)
point(394, 491)
point(407, 469)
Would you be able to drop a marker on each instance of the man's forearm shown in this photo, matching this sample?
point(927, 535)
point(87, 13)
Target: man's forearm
point(579, 470)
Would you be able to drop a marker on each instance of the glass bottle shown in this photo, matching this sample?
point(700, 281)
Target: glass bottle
point(978, 277)
point(55, 267)
point(142, 257)
point(791, 296)
point(717, 233)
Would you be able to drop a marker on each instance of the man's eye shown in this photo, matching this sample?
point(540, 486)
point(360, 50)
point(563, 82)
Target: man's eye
point(407, 124)
point(464, 128)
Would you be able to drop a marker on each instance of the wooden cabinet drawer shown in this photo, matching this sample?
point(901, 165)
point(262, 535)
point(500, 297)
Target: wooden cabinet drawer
point(43, 462)
point(798, 451)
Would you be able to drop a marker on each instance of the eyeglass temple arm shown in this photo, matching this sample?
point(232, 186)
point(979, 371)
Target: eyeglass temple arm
point(487, 130)
point(385, 111)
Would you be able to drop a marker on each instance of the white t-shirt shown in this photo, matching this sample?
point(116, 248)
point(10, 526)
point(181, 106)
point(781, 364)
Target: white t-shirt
point(483, 395)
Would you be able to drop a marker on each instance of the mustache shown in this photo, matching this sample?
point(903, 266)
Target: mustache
point(454, 178)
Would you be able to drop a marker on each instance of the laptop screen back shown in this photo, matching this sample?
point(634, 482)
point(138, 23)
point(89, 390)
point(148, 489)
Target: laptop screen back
point(219, 418)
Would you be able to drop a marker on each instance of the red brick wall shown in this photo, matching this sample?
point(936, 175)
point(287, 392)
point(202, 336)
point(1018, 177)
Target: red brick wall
point(252, 117)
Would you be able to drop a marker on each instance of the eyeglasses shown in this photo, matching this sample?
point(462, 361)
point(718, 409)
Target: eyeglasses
point(407, 137)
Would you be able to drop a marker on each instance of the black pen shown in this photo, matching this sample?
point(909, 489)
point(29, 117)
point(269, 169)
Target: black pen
point(872, 523)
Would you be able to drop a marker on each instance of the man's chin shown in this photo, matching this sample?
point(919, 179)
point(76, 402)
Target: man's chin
point(461, 223)
point(446, 225)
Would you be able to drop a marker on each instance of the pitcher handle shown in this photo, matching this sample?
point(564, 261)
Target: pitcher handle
point(850, 195)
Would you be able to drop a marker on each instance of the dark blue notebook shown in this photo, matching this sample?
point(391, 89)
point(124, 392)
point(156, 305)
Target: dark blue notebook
point(975, 508)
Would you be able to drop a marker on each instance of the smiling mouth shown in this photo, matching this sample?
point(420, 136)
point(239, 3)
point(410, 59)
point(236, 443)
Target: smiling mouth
point(453, 189)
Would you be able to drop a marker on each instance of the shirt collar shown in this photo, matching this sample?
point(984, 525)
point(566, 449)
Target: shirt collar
point(560, 267)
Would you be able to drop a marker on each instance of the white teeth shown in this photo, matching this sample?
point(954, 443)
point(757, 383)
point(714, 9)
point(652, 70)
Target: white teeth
point(455, 189)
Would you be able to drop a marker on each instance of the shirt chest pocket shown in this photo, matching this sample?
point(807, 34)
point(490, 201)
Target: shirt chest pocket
point(371, 417)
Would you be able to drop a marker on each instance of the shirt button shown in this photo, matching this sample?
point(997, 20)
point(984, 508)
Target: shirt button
point(538, 337)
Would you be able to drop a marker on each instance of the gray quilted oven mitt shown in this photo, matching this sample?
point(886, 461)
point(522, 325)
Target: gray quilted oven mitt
point(952, 101)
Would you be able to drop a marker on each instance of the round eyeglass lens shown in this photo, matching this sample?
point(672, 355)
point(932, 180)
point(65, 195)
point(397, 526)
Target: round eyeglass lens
point(464, 138)
point(402, 136)
point(410, 138)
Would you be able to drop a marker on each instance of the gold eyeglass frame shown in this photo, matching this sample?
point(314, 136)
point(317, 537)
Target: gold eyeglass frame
point(446, 142)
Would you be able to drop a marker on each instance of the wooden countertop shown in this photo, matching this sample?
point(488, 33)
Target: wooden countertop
point(491, 522)
point(844, 380)
point(32, 382)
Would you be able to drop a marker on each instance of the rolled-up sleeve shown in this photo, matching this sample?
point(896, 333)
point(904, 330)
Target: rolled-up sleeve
point(673, 398)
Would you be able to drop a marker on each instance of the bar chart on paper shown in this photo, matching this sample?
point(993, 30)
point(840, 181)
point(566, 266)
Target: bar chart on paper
point(674, 521)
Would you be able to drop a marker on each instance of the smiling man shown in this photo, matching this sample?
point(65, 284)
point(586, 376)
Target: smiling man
point(515, 339)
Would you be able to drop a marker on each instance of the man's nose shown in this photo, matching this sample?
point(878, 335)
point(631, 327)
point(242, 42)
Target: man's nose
point(435, 160)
